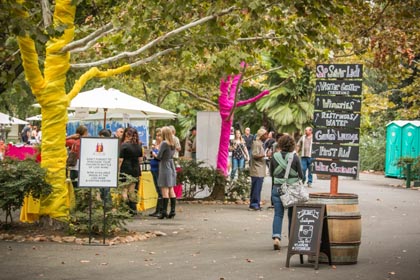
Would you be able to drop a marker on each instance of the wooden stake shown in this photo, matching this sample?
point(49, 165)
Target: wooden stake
point(334, 184)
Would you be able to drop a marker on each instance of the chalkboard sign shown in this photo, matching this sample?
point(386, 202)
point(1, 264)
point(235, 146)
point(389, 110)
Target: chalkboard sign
point(338, 103)
point(339, 71)
point(333, 87)
point(336, 135)
point(309, 233)
point(335, 151)
point(337, 119)
point(338, 168)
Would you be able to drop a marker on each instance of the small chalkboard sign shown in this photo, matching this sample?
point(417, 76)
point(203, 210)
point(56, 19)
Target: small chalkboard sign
point(309, 233)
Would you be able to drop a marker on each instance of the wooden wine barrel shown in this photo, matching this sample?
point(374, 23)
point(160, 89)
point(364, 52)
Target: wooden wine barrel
point(344, 226)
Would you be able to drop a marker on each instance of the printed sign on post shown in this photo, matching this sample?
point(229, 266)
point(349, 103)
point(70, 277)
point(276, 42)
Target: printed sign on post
point(98, 162)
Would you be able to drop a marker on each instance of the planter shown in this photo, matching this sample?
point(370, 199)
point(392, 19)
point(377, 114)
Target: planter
point(344, 226)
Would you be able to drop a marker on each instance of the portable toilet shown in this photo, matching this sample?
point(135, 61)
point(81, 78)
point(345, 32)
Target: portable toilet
point(393, 148)
point(411, 139)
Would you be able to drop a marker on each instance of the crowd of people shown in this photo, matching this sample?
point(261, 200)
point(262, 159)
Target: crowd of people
point(265, 153)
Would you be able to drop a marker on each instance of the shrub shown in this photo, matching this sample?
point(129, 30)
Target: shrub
point(117, 210)
point(371, 151)
point(20, 178)
point(196, 178)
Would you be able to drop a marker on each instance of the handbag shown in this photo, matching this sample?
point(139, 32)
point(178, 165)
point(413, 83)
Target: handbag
point(72, 157)
point(292, 193)
point(246, 156)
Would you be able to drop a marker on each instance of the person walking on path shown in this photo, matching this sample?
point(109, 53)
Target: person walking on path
point(131, 154)
point(304, 148)
point(285, 150)
point(167, 172)
point(257, 169)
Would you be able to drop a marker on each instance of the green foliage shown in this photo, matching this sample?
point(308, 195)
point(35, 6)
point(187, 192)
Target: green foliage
point(239, 188)
point(117, 210)
point(371, 150)
point(412, 163)
point(19, 178)
point(196, 178)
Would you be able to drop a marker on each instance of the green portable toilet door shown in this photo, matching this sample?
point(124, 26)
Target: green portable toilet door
point(393, 150)
point(410, 141)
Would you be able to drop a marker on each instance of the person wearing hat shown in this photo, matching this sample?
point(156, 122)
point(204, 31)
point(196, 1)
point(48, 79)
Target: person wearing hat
point(257, 169)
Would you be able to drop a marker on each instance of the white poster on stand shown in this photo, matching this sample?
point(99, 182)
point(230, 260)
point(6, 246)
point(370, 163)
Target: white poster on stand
point(98, 163)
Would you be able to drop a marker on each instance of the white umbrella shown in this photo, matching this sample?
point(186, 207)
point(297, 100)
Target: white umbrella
point(6, 119)
point(39, 117)
point(34, 118)
point(114, 101)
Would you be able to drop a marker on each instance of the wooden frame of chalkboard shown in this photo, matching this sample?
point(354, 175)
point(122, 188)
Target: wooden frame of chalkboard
point(309, 233)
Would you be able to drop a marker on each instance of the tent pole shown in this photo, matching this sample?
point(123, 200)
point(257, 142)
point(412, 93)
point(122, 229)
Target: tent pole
point(105, 110)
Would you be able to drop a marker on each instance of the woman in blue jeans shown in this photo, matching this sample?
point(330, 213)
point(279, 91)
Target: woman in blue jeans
point(285, 150)
point(239, 154)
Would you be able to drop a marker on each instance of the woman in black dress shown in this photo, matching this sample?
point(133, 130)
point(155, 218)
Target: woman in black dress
point(130, 157)
point(167, 172)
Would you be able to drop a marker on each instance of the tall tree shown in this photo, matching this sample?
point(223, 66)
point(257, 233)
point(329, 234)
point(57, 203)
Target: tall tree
point(208, 38)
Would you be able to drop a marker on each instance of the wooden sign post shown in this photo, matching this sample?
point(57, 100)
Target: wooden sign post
point(338, 102)
point(309, 233)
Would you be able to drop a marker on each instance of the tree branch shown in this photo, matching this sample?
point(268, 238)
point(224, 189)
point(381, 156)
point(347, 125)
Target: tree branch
point(281, 84)
point(154, 42)
point(366, 31)
point(90, 38)
point(46, 14)
point(113, 59)
point(262, 73)
point(190, 93)
point(259, 38)
point(92, 42)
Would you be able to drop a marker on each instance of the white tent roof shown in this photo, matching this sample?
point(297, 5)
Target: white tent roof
point(6, 119)
point(116, 101)
point(116, 104)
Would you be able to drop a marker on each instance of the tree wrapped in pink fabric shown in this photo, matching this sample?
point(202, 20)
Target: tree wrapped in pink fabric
point(228, 92)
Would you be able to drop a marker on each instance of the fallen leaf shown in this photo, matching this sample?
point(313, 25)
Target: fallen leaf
point(85, 261)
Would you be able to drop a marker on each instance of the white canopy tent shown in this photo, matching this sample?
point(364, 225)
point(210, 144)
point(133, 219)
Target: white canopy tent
point(8, 120)
point(113, 101)
point(115, 105)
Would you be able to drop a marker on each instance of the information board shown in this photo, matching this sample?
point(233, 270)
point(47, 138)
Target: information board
point(343, 103)
point(336, 135)
point(309, 232)
point(339, 71)
point(338, 102)
point(334, 119)
point(335, 151)
point(98, 163)
point(338, 87)
point(338, 168)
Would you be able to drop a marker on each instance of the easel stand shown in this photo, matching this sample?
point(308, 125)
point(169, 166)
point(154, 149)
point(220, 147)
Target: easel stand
point(90, 222)
point(309, 233)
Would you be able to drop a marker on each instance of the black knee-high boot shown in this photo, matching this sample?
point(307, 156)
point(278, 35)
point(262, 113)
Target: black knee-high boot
point(164, 212)
point(158, 209)
point(133, 207)
point(173, 204)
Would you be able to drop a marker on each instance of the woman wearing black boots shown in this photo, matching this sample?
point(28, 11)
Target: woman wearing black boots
point(130, 156)
point(167, 172)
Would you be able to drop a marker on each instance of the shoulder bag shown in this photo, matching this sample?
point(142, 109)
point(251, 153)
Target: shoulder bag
point(292, 193)
point(72, 157)
point(246, 156)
